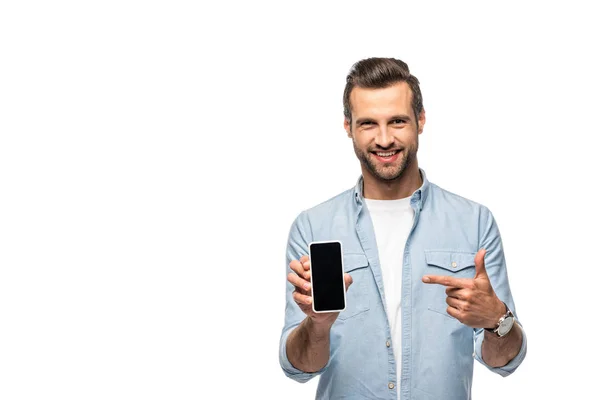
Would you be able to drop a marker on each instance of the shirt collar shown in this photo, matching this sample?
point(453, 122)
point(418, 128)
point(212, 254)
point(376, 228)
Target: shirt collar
point(418, 197)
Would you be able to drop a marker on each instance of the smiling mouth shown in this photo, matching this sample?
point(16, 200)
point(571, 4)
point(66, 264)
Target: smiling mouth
point(385, 154)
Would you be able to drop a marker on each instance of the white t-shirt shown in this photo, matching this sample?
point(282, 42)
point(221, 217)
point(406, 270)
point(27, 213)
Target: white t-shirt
point(392, 221)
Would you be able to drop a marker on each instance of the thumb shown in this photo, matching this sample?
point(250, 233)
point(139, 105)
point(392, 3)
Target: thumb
point(480, 271)
point(348, 280)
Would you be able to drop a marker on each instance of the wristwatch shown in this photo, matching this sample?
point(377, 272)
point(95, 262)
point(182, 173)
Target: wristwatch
point(504, 325)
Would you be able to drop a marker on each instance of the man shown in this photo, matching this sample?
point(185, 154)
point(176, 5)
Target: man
point(427, 286)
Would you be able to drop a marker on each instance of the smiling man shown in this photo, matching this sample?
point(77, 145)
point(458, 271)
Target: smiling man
point(427, 285)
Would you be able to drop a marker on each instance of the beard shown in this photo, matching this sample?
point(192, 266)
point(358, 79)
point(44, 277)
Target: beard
point(389, 171)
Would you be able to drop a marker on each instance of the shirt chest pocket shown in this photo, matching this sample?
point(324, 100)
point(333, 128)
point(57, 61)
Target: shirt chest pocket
point(454, 263)
point(460, 264)
point(357, 299)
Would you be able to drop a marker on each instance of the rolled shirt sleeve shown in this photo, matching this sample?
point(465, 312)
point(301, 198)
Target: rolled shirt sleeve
point(289, 370)
point(508, 368)
point(495, 266)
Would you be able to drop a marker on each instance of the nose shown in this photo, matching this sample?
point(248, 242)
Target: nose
point(384, 138)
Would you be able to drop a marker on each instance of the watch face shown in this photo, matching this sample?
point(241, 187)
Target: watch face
point(505, 326)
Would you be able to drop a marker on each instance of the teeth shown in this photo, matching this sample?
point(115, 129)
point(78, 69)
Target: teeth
point(389, 154)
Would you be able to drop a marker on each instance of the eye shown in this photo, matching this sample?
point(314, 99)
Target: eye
point(367, 124)
point(399, 121)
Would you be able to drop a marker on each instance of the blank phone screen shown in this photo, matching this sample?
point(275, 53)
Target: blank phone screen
point(327, 276)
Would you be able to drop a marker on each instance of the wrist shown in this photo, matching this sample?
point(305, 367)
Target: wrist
point(504, 324)
point(318, 329)
point(500, 311)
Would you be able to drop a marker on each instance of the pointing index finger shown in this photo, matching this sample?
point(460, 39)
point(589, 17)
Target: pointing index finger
point(447, 281)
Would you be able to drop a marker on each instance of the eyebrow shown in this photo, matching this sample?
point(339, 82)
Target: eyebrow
point(367, 119)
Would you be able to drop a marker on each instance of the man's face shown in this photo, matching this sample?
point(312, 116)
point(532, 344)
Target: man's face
point(384, 130)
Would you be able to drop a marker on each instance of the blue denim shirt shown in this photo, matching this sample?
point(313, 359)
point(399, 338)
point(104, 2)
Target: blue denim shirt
point(438, 351)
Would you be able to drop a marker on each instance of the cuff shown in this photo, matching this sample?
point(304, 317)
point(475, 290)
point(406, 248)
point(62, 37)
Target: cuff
point(291, 371)
point(512, 365)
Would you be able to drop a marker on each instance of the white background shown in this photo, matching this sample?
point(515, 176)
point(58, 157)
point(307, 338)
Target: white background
point(154, 154)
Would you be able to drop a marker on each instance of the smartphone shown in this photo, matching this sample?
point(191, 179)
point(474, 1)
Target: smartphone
point(327, 276)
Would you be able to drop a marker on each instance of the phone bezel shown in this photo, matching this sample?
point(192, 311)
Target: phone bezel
point(342, 272)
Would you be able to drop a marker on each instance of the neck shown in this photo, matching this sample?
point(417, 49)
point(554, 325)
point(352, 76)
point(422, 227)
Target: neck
point(404, 186)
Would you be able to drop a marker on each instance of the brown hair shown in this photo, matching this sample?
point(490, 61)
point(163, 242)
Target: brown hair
point(379, 73)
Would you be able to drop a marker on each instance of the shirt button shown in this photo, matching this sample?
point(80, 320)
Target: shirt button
point(453, 264)
point(387, 344)
point(391, 385)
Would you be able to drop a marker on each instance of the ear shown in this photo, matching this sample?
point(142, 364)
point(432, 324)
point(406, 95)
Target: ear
point(348, 127)
point(421, 121)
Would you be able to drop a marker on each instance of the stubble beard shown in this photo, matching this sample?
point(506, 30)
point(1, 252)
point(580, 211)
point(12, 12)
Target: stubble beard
point(387, 173)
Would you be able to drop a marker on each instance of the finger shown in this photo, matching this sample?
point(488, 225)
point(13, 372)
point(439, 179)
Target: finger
point(453, 312)
point(448, 281)
point(480, 264)
point(302, 298)
point(455, 303)
point(348, 280)
point(297, 268)
point(298, 282)
point(457, 293)
point(304, 258)
point(306, 265)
